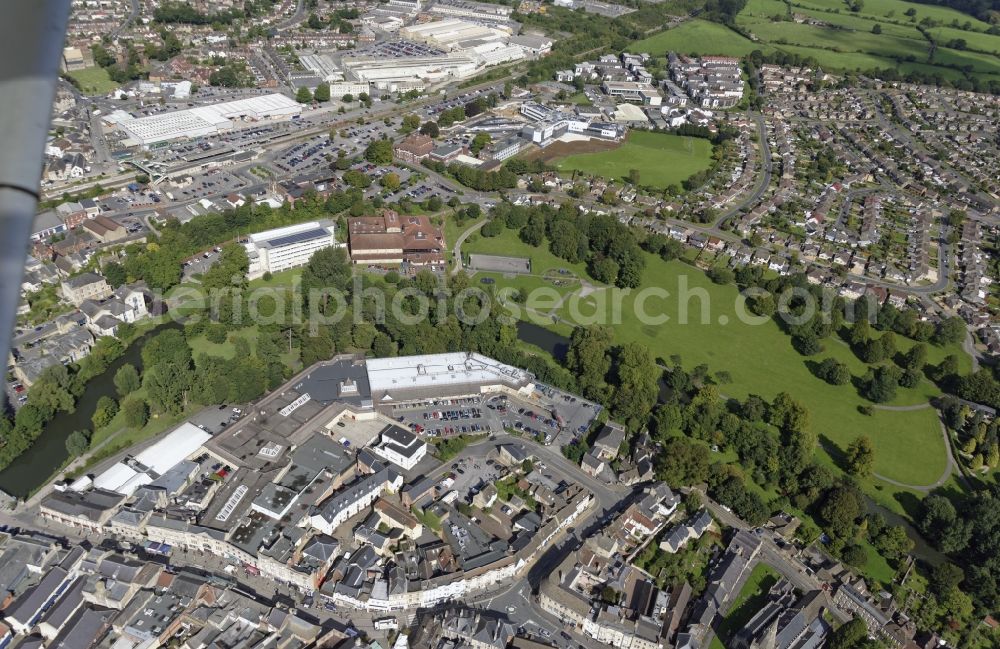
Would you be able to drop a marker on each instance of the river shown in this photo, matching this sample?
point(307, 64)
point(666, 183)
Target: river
point(37, 465)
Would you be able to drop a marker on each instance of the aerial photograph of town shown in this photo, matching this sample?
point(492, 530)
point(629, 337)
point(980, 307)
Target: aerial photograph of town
point(500, 324)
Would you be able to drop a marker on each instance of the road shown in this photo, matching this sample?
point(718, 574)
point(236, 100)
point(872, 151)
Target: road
point(904, 136)
point(295, 18)
point(457, 249)
point(765, 179)
point(132, 15)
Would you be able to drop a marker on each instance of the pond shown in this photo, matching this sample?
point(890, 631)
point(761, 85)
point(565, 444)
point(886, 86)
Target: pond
point(543, 338)
point(37, 464)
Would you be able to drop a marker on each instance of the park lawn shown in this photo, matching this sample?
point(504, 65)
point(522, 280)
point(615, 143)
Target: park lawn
point(579, 99)
point(760, 359)
point(660, 158)
point(698, 37)
point(93, 81)
point(509, 244)
point(876, 567)
point(750, 599)
point(201, 345)
point(540, 294)
point(284, 278)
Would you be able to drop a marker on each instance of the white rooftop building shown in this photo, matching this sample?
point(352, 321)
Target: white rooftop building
point(130, 474)
point(203, 120)
point(454, 373)
point(283, 248)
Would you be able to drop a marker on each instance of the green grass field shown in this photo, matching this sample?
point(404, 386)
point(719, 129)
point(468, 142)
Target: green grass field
point(846, 41)
point(660, 158)
point(761, 360)
point(93, 81)
point(697, 37)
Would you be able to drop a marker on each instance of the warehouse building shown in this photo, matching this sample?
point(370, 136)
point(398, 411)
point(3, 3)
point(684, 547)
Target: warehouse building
point(410, 73)
point(452, 34)
point(475, 10)
point(283, 248)
point(202, 120)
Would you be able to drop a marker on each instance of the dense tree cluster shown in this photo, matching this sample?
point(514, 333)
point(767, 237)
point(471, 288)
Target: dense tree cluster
point(158, 262)
point(611, 250)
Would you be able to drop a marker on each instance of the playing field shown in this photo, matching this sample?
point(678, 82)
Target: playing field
point(661, 159)
point(93, 81)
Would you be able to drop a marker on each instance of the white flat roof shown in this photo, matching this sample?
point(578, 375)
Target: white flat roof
point(204, 120)
point(439, 369)
point(166, 453)
point(115, 477)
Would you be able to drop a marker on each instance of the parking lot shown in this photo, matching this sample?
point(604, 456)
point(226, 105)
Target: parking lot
point(555, 417)
point(214, 419)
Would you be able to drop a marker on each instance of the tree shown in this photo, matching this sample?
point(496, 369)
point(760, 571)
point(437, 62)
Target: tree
point(883, 383)
point(115, 274)
point(229, 271)
point(166, 386)
point(78, 442)
point(127, 380)
point(379, 152)
point(355, 178)
point(104, 412)
point(877, 29)
point(854, 555)
point(430, 129)
point(833, 372)
point(588, 359)
point(390, 181)
point(940, 524)
point(322, 94)
point(843, 506)
point(303, 96)
point(348, 98)
point(861, 456)
point(410, 123)
point(480, 141)
point(949, 331)
point(328, 269)
point(136, 412)
point(636, 386)
point(683, 462)
point(916, 357)
point(849, 635)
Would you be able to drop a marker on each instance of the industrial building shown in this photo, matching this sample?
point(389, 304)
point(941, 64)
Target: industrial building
point(452, 34)
point(283, 248)
point(202, 120)
point(475, 10)
point(409, 73)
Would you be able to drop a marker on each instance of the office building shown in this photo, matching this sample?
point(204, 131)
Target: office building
point(283, 248)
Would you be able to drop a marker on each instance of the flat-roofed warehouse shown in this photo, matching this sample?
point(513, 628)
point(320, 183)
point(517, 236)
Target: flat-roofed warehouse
point(453, 374)
point(452, 33)
point(206, 120)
